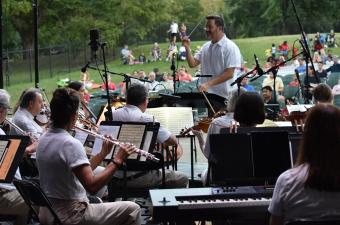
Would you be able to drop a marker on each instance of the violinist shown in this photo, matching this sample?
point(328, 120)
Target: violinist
point(29, 107)
point(247, 110)
point(134, 111)
point(11, 202)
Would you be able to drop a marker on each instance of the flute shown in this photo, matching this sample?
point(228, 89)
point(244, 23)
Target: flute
point(21, 131)
point(115, 142)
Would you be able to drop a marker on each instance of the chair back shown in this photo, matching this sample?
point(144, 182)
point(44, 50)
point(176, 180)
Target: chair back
point(323, 221)
point(35, 197)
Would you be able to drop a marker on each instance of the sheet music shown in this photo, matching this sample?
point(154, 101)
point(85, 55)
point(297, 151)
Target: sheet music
point(3, 150)
point(133, 134)
point(147, 142)
point(104, 130)
point(81, 136)
point(298, 108)
point(173, 118)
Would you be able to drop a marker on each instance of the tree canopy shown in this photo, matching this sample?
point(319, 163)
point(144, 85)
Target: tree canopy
point(131, 22)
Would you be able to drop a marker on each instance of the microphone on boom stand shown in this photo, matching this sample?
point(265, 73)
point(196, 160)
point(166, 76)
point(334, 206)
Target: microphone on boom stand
point(258, 68)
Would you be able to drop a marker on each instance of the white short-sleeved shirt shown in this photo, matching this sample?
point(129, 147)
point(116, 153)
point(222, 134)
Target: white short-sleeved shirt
point(131, 113)
point(174, 28)
point(58, 153)
point(291, 200)
point(217, 58)
point(25, 120)
point(215, 128)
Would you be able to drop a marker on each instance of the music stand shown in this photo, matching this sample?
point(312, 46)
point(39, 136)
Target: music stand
point(231, 159)
point(255, 158)
point(12, 148)
point(271, 155)
point(143, 135)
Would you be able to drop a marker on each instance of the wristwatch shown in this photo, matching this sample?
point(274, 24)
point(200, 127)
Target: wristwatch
point(118, 164)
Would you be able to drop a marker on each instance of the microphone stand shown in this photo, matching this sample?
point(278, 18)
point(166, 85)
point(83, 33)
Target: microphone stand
point(174, 71)
point(274, 70)
point(239, 80)
point(126, 77)
point(108, 114)
point(307, 56)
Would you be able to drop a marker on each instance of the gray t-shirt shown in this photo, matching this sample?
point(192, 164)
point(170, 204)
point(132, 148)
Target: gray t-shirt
point(58, 154)
point(217, 58)
point(291, 200)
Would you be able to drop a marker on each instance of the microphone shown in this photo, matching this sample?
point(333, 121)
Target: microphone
point(94, 39)
point(83, 69)
point(297, 75)
point(258, 68)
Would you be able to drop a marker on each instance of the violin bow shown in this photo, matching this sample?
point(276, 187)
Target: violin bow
point(206, 98)
point(199, 22)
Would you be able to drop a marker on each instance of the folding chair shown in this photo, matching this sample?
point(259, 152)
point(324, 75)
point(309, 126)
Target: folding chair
point(35, 197)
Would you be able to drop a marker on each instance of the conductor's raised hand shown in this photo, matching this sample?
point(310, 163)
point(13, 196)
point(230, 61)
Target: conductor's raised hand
point(186, 42)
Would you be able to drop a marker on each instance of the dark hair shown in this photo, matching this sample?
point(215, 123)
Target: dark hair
point(323, 93)
point(28, 96)
point(83, 70)
point(218, 20)
point(249, 109)
point(76, 85)
point(64, 104)
point(136, 95)
point(268, 88)
point(320, 148)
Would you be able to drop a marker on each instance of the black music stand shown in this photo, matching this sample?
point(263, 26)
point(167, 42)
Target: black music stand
point(148, 136)
point(11, 153)
point(255, 158)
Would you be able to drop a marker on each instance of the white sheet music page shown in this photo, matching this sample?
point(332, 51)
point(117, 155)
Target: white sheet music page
point(298, 108)
point(173, 118)
point(3, 150)
point(104, 130)
point(133, 134)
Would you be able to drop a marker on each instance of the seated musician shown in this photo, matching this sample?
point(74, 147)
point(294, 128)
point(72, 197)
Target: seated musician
point(323, 94)
point(246, 109)
point(66, 173)
point(133, 111)
point(29, 107)
point(11, 202)
point(311, 189)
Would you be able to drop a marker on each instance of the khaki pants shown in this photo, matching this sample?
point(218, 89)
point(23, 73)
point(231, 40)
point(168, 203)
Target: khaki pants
point(110, 213)
point(113, 213)
point(11, 203)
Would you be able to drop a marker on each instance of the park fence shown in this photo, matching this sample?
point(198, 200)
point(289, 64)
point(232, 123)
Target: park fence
point(54, 61)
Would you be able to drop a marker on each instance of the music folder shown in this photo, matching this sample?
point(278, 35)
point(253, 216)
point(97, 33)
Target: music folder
point(12, 149)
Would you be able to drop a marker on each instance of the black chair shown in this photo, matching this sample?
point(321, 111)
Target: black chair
point(35, 197)
point(323, 221)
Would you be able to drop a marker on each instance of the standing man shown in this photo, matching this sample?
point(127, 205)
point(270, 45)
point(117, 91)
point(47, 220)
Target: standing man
point(218, 57)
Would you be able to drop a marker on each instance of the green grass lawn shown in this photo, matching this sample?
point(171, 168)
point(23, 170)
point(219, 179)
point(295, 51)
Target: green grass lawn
point(248, 47)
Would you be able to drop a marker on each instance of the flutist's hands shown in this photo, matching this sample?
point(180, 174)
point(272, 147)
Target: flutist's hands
point(124, 151)
point(107, 146)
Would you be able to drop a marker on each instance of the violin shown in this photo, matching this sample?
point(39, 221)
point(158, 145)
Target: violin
point(203, 124)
